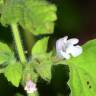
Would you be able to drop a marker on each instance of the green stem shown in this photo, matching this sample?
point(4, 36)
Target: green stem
point(18, 43)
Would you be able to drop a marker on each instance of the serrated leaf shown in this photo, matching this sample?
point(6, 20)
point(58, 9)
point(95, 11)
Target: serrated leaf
point(44, 70)
point(83, 71)
point(36, 16)
point(11, 11)
point(13, 73)
point(40, 19)
point(43, 65)
point(40, 47)
point(6, 55)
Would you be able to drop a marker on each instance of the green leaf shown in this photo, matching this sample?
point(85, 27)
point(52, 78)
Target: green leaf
point(29, 73)
point(6, 55)
point(40, 47)
point(11, 12)
point(43, 65)
point(13, 73)
point(33, 94)
point(83, 71)
point(39, 17)
point(36, 16)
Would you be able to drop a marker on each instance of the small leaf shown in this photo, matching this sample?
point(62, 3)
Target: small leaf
point(40, 47)
point(4, 47)
point(43, 65)
point(13, 73)
point(6, 55)
point(83, 71)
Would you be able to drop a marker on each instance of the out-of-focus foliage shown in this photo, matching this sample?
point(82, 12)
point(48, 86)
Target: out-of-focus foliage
point(6, 55)
point(34, 16)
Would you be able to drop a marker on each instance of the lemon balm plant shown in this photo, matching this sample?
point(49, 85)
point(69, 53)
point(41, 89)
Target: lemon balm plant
point(38, 17)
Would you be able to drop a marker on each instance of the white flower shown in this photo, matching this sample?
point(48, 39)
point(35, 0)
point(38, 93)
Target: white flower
point(67, 48)
point(30, 87)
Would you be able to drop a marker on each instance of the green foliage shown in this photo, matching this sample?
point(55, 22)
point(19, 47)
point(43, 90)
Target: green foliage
point(18, 94)
point(13, 73)
point(43, 65)
point(41, 60)
point(83, 71)
point(36, 16)
point(40, 47)
point(1, 1)
point(39, 16)
point(11, 11)
point(6, 55)
point(33, 94)
point(29, 73)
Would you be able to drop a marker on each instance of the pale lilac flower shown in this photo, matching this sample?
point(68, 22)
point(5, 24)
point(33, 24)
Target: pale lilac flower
point(67, 48)
point(30, 87)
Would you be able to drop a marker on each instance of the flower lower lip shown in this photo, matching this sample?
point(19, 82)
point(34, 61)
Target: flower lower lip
point(68, 48)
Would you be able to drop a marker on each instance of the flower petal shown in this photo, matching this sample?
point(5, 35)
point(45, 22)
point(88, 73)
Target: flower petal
point(64, 55)
point(73, 41)
point(65, 39)
point(59, 44)
point(74, 50)
point(30, 87)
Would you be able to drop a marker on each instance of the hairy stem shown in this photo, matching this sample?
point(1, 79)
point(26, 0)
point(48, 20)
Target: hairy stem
point(18, 43)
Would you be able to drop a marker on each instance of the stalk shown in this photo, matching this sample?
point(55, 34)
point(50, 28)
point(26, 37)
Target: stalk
point(18, 43)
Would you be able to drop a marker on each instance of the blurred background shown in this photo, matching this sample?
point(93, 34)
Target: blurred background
point(76, 18)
